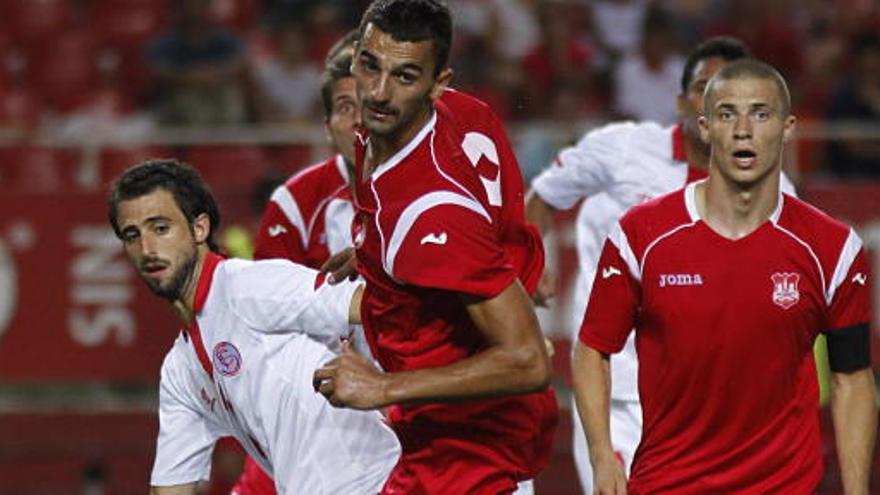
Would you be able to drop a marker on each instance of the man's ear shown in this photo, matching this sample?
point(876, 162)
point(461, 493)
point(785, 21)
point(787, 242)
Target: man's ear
point(788, 128)
point(441, 83)
point(201, 227)
point(703, 122)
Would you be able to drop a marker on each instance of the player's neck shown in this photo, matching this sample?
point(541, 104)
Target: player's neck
point(185, 304)
point(696, 153)
point(734, 211)
point(383, 147)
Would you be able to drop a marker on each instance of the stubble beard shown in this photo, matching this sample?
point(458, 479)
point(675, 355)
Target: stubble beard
point(174, 288)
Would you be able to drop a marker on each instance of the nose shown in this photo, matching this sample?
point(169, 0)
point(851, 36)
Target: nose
point(379, 91)
point(742, 128)
point(148, 245)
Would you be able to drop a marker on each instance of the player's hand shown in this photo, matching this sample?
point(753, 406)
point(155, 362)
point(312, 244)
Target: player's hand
point(546, 290)
point(340, 266)
point(609, 476)
point(349, 380)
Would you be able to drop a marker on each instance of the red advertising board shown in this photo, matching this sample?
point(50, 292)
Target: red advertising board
point(71, 307)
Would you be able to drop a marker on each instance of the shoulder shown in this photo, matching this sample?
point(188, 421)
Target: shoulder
point(248, 279)
point(652, 220)
point(320, 176)
point(825, 235)
point(175, 366)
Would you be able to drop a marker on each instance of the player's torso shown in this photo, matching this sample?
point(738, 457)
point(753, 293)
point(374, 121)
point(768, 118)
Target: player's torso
point(413, 319)
point(727, 328)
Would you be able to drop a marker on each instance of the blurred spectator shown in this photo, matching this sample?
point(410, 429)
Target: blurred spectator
point(767, 27)
point(200, 70)
point(857, 100)
point(618, 25)
point(288, 83)
point(644, 80)
point(559, 59)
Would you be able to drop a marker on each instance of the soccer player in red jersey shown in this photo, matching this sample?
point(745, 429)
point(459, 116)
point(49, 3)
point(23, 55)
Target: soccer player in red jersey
point(308, 218)
point(449, 262)
point(727, 284)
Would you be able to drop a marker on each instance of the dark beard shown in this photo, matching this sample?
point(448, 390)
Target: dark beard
point(175, 287)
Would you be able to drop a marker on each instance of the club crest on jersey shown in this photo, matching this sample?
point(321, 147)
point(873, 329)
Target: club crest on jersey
point(227, 359)
point(785, 289)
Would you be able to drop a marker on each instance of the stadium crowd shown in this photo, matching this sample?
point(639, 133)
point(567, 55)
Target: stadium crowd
point(126, 67)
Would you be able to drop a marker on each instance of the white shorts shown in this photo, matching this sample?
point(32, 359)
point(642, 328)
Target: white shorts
point(626, 431)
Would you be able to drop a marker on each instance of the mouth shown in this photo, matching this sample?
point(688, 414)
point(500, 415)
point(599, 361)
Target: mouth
point(154, 269)
point(379, 113)
point(744, 158)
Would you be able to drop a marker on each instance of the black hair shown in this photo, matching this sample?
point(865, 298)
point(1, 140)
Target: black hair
point(413, 21)
point(724, 47)
point(750, 68)
point(337, 66)
point(180, 179)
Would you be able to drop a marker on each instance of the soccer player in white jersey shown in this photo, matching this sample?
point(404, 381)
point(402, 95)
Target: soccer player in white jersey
point(242, 367)
point(727, 283)
point(615, 168)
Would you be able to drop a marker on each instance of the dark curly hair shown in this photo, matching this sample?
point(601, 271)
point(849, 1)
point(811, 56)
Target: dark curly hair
point(180, 179)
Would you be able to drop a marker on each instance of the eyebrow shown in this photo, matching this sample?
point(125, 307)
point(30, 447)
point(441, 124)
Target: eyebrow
point(400, 68)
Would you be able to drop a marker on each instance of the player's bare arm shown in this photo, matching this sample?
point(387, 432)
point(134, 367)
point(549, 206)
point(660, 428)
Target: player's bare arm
point(591, 372)
point(354, 310)
point(540, 214)
point(187, 489)
point(854, 412)
point(515, 362)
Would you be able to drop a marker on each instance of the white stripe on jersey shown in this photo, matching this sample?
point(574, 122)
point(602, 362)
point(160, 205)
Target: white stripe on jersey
point(848, 254)
point(415, 209)
point(287, 203)
point(619, 239)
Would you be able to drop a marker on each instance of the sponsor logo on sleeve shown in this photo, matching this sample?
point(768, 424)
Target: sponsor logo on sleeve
point(227, 359)
point(785, 289)
point(860, 278)
point(276, 230)
point(433, 238)
point(610, 271)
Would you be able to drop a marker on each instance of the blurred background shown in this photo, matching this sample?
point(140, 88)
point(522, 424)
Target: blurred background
point(91, 87)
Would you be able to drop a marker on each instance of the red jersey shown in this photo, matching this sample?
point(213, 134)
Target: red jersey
point(444, 217)
point(724, 334)
point(308, 218)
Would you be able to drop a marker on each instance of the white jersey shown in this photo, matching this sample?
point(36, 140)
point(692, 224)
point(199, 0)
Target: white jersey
point(244, 369)
point(615, 167)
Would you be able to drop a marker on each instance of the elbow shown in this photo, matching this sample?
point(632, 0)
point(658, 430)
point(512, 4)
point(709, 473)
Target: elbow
point(533, 367)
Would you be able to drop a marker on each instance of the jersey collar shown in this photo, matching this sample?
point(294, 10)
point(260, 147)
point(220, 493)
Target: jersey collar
point(406, 150)
point(342, 168)
point(209, 266)
point(690, 202)
point(203, 286)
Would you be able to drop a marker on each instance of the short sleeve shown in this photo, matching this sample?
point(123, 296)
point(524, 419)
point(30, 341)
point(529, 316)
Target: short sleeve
point(278, 236)
point(185, 443)
point(278, 296)
point(850, 305)
point(578, 171)
point(613, 305)
point(451, 246)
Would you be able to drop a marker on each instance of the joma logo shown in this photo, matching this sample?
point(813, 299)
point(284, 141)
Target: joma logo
point(680, 279)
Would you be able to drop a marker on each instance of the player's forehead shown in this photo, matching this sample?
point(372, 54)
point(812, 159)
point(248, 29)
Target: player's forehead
point(704, 69)
point(745, 92)
point(156, 204)
point(344, 88)
point(392, 53)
